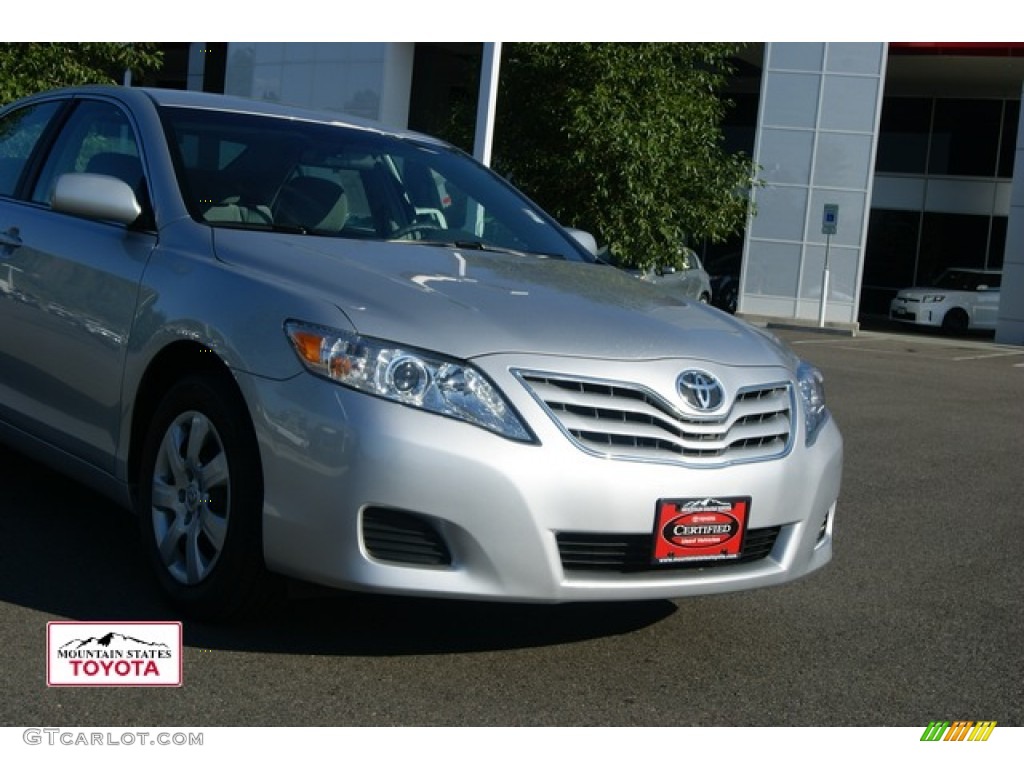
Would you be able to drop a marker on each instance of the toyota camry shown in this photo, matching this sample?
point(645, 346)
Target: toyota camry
point(305, 348)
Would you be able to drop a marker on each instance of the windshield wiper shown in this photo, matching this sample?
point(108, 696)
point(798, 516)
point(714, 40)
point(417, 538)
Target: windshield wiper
point(477, 245)
point(259, 226)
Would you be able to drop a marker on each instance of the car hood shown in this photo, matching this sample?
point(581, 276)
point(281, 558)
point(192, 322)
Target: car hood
point(469, 303)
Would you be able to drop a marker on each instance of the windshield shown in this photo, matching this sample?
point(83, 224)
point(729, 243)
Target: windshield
point(275, 174)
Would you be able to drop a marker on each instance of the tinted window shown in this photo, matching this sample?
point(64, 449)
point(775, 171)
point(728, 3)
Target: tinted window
point(903, 135)
point(1008, 145)
point(965, 138)
point(997, 243)
point(19, 134)
point(892, 246)
point(950, 240)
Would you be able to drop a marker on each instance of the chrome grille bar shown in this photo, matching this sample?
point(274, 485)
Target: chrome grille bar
point(627, 421)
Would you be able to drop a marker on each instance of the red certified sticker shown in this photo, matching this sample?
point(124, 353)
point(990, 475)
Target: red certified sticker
point(687, 530)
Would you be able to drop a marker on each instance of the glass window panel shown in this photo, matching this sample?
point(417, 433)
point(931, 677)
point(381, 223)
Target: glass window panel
point(849, 103)
point(773, 269)
point(903, 136)
point(997, 243)
point(861, 58)
point(805, 56)
point(892, 245)
point(965, 137)
point(96, 139)
point(738, 125)
point(781, 212)
point(843, 160)
point(842, 264)
point(1008, 146)
point(951, 240)
point(785, 156)
point(791, 100)
point(297, 82)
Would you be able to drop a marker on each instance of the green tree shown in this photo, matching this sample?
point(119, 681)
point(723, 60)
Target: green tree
point(27, 68)
point(624, 140)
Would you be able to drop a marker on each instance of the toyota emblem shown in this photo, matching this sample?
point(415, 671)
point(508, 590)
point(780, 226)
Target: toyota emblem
point(700, 390)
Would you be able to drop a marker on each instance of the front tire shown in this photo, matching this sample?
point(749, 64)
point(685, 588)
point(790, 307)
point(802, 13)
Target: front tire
point(201, 499)
point(956, 321)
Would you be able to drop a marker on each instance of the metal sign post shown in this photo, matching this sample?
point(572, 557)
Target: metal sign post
point(829, 225)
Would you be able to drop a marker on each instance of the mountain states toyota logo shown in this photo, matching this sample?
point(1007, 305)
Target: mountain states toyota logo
point(133, 653)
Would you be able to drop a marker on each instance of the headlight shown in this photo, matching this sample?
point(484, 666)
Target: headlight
point(812, 392)
point(408, 376)
point(933, 297)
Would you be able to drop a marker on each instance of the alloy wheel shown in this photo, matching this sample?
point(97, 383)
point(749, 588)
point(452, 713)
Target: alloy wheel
point(191, 498)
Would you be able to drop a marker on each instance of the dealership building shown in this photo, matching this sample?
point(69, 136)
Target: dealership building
point(882, 163)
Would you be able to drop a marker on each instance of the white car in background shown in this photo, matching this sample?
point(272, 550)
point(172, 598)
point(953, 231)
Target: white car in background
point(959, 300)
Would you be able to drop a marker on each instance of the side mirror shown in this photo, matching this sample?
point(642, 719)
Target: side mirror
point(585, 239)
point(95, 197)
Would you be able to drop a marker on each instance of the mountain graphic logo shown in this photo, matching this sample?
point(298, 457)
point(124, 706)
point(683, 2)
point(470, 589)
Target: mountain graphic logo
point(111, 640)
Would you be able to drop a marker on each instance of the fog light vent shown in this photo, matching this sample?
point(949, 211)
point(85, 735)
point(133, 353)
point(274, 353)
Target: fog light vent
point(824, 527)
point(401, 537)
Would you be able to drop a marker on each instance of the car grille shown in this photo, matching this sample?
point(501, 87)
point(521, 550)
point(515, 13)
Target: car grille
point(631, 553)
point(400, 537)
point(629, 422)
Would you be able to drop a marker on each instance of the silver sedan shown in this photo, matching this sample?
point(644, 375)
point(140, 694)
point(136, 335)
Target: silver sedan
point(303, 347)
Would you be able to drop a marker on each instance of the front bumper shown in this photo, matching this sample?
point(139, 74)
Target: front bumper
point(917, 312)
point(338, 464)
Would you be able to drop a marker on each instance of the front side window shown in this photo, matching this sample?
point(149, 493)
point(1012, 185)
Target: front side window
point(19, 133)
point(268, 173)
point(96, 139)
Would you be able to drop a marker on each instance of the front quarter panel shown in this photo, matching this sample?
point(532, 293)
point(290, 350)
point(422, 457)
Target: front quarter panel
point(187, 295)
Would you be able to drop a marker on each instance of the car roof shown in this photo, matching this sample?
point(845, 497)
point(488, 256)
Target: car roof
point(167, 97)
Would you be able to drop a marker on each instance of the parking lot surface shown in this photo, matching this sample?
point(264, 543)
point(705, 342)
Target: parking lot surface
point(919, 617)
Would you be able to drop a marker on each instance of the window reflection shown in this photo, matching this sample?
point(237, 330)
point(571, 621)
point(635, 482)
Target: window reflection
point(948, 137)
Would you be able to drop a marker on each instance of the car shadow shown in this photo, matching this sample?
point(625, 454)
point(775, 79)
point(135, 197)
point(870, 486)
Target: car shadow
point(70, 553)
point(381, 625)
